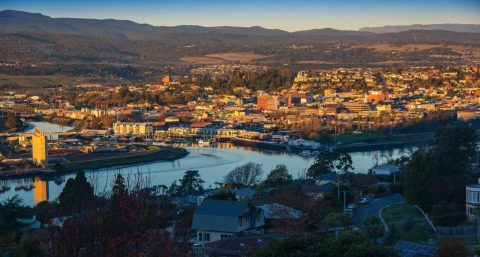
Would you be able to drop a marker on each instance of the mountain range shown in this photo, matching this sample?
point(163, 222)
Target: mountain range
point(12, 21)
point(467, 28)
point(36, 38)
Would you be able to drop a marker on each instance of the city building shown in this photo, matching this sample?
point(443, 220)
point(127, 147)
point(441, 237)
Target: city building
point(267, 102)
point(376, 97)
point(39, 148)
point(132, 129)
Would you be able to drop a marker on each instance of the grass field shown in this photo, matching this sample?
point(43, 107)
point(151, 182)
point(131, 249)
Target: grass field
point(409, 222)
point(242, 57)
point(164, 154)
point(40, 81)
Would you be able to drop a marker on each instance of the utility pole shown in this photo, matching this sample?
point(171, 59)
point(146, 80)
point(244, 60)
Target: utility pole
point(338, 185)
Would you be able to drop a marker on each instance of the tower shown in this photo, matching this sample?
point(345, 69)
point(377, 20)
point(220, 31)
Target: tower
point(39, 148)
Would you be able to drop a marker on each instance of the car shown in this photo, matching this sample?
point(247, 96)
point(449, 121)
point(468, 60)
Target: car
point(350, 206)
point(363, 201)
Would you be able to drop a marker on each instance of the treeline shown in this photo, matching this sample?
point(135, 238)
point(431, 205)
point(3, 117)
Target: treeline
point(269, 80)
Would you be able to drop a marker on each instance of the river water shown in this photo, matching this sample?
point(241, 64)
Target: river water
point(213, 164)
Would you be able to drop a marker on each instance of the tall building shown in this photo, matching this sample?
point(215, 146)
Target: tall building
point(267, 102)
point(40, 190)
point(39, 148)
point(375, 97)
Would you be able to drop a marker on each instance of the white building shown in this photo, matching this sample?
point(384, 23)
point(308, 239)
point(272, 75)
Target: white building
point(132, 129)
point(472, 200)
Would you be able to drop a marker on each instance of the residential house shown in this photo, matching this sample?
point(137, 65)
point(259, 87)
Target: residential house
point(218, 219)
point(385, 169)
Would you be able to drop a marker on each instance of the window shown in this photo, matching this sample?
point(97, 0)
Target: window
point(200, 235)
point(207, 237)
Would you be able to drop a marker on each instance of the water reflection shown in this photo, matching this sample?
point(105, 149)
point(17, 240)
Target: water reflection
point(40, 190)
point(213, 164)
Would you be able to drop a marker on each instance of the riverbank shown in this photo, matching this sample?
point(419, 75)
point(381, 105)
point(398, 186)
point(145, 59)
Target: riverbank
point(164, 154)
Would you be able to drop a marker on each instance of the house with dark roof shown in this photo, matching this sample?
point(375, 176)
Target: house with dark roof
point(318, 191)
point(331, 177)
point(219, 219)
point(385, 169)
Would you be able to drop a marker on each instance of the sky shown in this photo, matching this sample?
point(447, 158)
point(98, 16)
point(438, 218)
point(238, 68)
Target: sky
point(280, 14)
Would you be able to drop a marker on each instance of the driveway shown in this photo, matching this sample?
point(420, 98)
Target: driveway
point(372, 209)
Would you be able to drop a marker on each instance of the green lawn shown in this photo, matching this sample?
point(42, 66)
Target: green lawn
point(165, 154)
point(39, 81)
point(409, 222)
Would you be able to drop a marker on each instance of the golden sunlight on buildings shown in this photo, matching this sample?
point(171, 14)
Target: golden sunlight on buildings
point(39, 148)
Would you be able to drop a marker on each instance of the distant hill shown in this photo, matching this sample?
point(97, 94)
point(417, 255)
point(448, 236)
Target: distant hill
point(36, 38)
point(331, 32)
point(24, 22)
point(468, 28)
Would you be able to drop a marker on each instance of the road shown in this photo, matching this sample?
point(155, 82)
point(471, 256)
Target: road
point(364, 211)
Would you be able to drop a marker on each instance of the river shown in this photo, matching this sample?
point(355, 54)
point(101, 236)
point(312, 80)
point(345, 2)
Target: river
point(213, 164)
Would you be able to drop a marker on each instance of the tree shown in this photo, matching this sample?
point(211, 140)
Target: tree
point(10, 210)
point(119, 188)
point(446, 165)
point(278, 176)
point(331, 161)
point(129, 224)
point(392, 236)
point(28, 247)
point(336, 219)
point(223, 195)
point(452, 248)
point(77, 195)
point(245, 175)
point(374, 228)
point(351, 244)
point(191, 183)
point(420, 170)
point(454, 148)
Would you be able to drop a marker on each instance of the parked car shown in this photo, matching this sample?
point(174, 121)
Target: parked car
point(363, 201)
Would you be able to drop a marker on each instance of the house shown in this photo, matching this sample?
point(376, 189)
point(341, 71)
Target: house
point(188, 200)
point(385, 169)
point(243, 193)
point(318, 191)
point(472, 201)
point(219, 219)
point(362, 181)
point(279, 211)
point(330, 177)
point(406, 248)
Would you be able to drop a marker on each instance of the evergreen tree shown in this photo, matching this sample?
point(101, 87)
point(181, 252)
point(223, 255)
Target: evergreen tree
point(77, 195)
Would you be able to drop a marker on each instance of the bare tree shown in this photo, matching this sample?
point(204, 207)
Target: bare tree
point(245, 175)
point(375, 158)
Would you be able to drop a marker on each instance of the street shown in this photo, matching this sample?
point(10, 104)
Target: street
point(371, 209)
